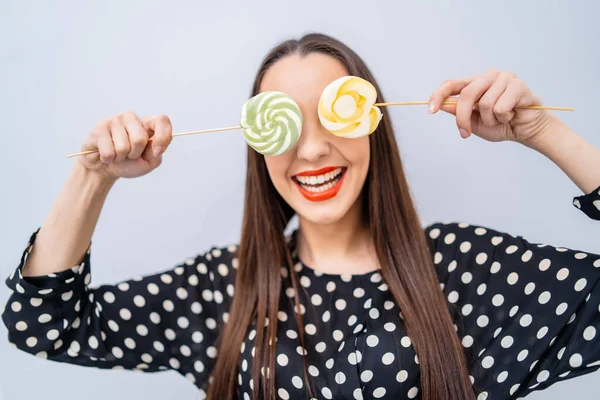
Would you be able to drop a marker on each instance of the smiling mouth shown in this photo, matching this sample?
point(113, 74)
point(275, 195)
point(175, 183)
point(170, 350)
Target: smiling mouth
point(320, 185)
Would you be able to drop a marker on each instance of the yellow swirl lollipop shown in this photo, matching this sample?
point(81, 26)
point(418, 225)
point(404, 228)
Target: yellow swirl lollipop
point(346, 107)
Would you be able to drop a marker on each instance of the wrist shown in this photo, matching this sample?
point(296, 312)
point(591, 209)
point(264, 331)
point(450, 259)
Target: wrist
point(95, 180)
point(552, 135)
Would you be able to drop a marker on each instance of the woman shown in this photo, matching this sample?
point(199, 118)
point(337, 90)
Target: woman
point(349, 305)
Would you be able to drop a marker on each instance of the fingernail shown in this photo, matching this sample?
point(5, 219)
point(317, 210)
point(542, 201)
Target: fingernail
point(157, 151)
point(431, 107)
point(463, 133)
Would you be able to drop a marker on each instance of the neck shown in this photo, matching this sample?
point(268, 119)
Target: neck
point(342, 247)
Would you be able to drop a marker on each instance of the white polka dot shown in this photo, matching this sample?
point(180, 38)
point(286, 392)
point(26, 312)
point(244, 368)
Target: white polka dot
point(465, 247)
point(513, 311)
point(466, 277)
point(109, 297)
point(527, 256)
point(453, 297)
point(487, 362)
point(181, 293)
point(511, 249)
point(52, 334)
point(117, 352)
point(437, 258)
point(129, 343)
point(168, 305)
point(467, 341)
point(35, 302)
point(320, 347)
point(589, 333)
point(507, 341)
point(223, 270)
point(292, 334)
point(452, 266)
point(207, 295)
point(374, 313)
point(338, 335)
point(388, 358)
point(529, 288)
point(372, 340)
point(575, 361)
point(314, 371)
point(44, 318)
point(141, 330)
point(211, 323)
point(580, 284)
point(543, 376)
point(495, 267)
point(330, 286)
point(166, 278)
point(434, 233)
point(402, 376)
point(211, 352)
point(496, 240)
point(340, 304)
point(326, 316)
point(197, 337)
point(412, 393)
point(31, 341)
point(282, 360)
point(183, 322)
point(340, 378)
point(379, 392)
point(544, 264)
point(498, 300)
point(502, 376)
point(544, 297)
point(283, 394)
point(480, 231)
point(389, 326)
point(522, 355)
point(305, 281)
point(525, 320)
point(113, 326)
point(481, 258)
point(562, 274)
point(316, 300)
point(125, 314)
point(542, 332)
point(310, 329)
point(483, 321)
point(512, 278)
point(580, 256)
point(449, 238)
point(597, 263)
point(562, 307)
point(297, 382)
point(561, 352)
point(481, 289)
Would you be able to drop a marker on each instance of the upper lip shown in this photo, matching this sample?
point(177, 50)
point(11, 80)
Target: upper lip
point(316, 172)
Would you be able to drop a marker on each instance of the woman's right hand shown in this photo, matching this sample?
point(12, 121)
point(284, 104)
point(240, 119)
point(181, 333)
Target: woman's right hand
point(124, 146)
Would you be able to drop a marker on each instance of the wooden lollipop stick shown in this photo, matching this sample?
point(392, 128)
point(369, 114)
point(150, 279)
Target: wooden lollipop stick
point(411, 103)
point(175, 134)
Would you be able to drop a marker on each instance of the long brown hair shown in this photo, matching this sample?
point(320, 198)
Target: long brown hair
point(400, 242)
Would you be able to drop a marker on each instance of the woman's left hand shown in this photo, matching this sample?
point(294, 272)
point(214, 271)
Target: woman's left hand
point(499, 116)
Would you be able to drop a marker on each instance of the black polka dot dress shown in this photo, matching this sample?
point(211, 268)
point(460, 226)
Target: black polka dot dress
point(527, 314)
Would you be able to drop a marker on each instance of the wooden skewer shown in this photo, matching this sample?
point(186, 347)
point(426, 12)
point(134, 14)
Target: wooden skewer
point(410, 103)
point(175, 134)
point(397, 103)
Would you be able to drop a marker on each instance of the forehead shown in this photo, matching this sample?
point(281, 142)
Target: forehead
point(303, 77)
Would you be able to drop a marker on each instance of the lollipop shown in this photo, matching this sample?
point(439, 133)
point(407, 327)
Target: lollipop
point(272, 123)
point(346, 107)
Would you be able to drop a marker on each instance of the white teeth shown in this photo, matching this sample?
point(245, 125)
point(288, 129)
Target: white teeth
point(335, 175)
point(319, 179)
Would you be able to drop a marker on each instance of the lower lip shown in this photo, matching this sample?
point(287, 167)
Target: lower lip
point(324, 195)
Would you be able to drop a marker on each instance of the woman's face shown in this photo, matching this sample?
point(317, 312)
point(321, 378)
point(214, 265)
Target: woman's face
point(322, 176)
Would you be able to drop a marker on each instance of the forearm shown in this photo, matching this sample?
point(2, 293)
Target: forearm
point(576, 157)
point(67, 231)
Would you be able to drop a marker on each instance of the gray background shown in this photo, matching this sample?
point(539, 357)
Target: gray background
point(66, 65)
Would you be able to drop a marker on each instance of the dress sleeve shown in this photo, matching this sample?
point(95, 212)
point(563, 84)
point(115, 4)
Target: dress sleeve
point(527, 314)
point(148, 323)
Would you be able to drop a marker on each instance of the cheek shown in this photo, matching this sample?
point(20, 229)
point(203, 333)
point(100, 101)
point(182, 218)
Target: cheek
point(277, 166)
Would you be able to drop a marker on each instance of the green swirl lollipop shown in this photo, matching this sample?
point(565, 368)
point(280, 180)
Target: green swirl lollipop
point(272, 122)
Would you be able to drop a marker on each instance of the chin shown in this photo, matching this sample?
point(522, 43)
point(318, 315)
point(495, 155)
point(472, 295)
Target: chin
point(323, 214)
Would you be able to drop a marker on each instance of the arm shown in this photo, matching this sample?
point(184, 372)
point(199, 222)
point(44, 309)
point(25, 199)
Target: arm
point(577, 158)
point(67, 231)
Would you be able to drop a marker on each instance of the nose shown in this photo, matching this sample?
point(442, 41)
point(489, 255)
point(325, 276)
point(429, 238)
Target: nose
point(314, 141)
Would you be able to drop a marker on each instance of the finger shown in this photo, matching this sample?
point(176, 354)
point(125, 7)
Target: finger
point(104, 143)
point(153, 161)
point(161, 129)
point(504, 108)
point(447, 89)
point(468, 97)
point(138, 137)
point(489, 100)
point(120, 139)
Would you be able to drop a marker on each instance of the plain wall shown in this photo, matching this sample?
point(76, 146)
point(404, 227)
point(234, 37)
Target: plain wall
point(67, 65)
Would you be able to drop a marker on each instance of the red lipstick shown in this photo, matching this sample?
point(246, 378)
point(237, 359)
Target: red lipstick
point(325, 194)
